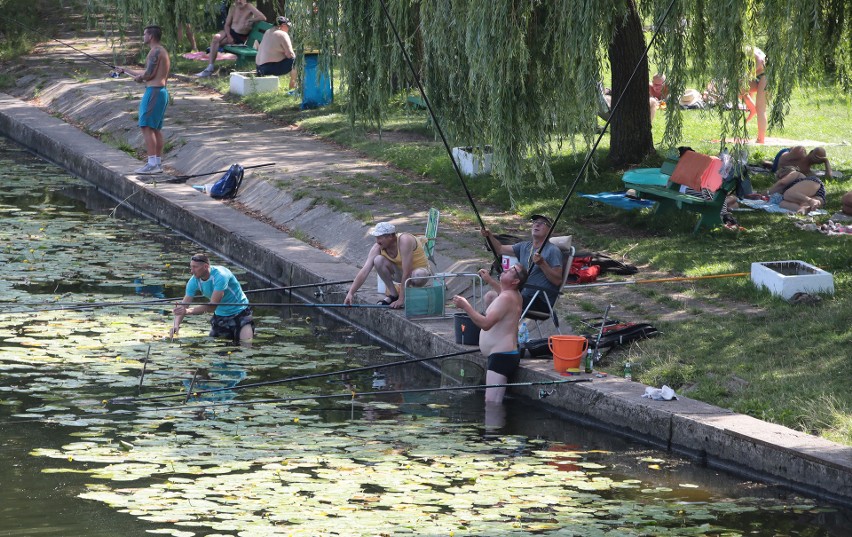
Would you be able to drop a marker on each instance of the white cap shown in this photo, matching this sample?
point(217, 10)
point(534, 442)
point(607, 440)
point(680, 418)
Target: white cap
point(383, 228)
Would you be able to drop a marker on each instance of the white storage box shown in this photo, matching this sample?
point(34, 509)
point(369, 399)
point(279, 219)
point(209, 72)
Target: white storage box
point(246, 83)
point(786, 278)
point(470, 163)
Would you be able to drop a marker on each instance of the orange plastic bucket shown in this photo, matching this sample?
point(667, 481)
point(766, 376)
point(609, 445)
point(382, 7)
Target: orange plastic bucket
point(567, 351)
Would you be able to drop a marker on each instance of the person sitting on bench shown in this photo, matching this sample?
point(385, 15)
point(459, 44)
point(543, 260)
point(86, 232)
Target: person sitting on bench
point(545, 269)
point(238, 24)
point(275, 54)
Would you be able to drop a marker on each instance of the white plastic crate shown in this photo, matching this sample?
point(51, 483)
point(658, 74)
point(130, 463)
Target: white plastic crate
point(246, 83)
point(786, 278)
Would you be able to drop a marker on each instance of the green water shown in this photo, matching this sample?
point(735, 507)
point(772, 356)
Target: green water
point(284, 459)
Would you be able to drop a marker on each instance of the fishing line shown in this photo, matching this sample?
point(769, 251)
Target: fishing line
point(180, 178)
point(434, 119)
point(658, 27)
point(113, 74)
point(122, 400)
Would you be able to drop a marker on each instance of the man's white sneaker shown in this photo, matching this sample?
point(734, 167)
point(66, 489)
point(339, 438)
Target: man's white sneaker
point(149, 169)
point(205, 73)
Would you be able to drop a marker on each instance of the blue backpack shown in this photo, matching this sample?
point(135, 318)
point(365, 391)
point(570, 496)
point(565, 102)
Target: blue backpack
point(228, 184)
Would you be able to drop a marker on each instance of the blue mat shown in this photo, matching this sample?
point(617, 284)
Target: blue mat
point(618, 199)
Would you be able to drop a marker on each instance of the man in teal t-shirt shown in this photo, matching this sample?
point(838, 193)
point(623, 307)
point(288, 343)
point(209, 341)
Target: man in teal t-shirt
point(229, 305)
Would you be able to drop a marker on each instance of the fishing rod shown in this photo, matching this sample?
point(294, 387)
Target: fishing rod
point(159, 305)
point(113, 74)
point(196, 407)
point(435, 120)
point(178, 178)
point(658, 27)
point(123, 400)
point(353, 394)
point(659, 280)
point(89, 305)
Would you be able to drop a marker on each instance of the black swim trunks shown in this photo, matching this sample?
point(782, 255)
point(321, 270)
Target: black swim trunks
point(504, 363)
point(230, 326)
point(275, 68)
point(238, 38)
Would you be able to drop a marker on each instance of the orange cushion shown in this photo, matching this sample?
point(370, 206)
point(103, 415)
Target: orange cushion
point(712, 179)
point(690, 168)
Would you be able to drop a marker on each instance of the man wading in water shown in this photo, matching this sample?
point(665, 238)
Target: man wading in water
point(220, 286)
point(499, 337)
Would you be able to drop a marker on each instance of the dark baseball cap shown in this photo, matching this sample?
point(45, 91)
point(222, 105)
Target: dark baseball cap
point(535, 217)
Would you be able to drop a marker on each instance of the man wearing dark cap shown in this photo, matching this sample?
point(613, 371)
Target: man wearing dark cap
point(545, 269)
point(275, 55)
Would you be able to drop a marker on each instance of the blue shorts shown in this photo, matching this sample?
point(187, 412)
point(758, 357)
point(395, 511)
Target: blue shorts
point(152, 108)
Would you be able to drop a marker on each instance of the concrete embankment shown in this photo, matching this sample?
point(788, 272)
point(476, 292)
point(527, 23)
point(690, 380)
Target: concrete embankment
point(716, 436)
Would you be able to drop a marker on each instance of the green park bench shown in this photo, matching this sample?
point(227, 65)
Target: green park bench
point(246, 52)
point(655, 184)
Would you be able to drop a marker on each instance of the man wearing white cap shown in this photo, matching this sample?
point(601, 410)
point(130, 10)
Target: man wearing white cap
point(396, 258)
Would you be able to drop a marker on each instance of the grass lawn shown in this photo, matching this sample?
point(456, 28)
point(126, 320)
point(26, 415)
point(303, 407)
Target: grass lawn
point(786, 366)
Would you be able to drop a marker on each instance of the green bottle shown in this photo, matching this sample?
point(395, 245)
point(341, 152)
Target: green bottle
point(628, 371)
point(590, 356)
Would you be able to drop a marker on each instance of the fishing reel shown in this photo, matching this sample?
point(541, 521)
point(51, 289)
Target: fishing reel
point(114, 73)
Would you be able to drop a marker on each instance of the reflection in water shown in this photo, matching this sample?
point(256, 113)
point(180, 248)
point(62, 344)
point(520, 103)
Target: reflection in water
point(220, 376)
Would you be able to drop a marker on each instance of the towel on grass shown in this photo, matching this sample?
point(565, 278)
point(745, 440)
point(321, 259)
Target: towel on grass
point(618, 199)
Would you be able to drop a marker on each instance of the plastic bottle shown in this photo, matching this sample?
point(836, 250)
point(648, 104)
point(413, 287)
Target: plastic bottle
point(590, 357)
point(628, 370)
point(523, 334)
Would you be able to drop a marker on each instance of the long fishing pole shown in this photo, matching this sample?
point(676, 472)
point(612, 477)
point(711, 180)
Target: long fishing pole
point(159, 305)
point(185, 177)
point(89, 305)
point(657, 280)
point(122, 400)
point(353, 395)
point(25, 27)
point(434, 119)
point(614, 108)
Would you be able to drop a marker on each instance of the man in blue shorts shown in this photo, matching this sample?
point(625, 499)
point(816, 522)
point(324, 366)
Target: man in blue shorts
point(152, 108)
point(230, 307)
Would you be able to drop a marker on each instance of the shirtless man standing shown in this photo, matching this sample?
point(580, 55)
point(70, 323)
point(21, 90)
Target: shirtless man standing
point(499, 337)
point(238, 24)
point(152, 108)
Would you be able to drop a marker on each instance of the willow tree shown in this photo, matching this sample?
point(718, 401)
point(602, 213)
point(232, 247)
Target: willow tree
point(521, 76)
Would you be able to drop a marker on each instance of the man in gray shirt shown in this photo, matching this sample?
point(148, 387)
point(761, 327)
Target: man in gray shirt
point(545, 269)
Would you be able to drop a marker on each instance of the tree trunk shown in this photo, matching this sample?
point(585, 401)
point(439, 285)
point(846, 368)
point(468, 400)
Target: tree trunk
point(630, 131)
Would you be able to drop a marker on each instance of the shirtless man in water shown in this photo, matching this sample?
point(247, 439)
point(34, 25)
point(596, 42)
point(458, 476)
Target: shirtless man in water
point(152, 108)
point(499, 337)
point(238, 24)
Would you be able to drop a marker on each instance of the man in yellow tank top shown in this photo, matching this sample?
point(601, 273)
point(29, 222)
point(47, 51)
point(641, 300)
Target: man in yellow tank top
point(396, 258)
